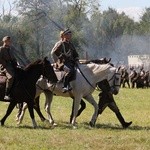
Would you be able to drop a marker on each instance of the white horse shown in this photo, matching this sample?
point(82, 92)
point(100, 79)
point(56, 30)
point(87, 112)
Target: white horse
point(87, 76)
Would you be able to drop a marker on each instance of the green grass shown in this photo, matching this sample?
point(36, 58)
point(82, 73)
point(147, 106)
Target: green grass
point(108, 134)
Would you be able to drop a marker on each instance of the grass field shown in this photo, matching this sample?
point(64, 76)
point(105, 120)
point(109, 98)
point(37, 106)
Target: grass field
point(108, 134)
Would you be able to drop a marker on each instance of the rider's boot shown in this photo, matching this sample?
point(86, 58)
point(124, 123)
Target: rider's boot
point(66, 86)
point(122, 121)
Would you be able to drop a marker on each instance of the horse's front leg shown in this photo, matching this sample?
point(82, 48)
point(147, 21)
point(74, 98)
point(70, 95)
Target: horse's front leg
point(8, 112)
point(21, 116)
point(31, 111)
point(83, 106)
point(19, 106)
point(49, 98)
point(37, 108)
point(91, 100)
point(77, 100)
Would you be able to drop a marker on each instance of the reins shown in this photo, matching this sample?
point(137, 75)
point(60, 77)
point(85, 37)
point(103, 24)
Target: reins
point(114, 80)
point(86, 78)
point(42, 89)
point(92, 85)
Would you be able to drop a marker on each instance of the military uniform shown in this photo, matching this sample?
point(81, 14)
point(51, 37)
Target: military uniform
point(106, 99)
point(7, 65)
point(65, 56)
point(125, 78)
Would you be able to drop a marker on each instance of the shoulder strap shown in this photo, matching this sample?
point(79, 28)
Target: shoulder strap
point(8, 51)
point(64, 50)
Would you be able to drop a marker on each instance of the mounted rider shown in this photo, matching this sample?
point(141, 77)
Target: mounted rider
point(65, 56)
point(8, 63)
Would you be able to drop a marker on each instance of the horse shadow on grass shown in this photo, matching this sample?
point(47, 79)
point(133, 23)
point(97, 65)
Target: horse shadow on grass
point(67, 125)
point(43, 127)
point(119, 127)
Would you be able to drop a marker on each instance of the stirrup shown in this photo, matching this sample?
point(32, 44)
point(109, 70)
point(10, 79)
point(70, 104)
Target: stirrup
point(7, 98)
point(66, 89)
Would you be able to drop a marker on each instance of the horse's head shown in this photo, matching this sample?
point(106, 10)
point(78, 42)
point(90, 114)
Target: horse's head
point(48, 71)
point(114, 79)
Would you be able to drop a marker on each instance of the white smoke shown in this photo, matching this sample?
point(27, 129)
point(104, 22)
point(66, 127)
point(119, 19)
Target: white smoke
point(134, 13)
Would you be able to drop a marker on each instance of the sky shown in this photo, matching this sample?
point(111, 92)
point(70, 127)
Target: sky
point(133, 8)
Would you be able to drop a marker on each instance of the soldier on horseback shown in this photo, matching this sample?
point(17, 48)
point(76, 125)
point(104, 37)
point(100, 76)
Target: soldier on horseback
point(7, 64)
point(65, 56)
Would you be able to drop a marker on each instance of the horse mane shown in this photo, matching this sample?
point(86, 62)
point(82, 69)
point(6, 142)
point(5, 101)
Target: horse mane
point(96, 61)
point(95, 67)
point(32, 64)
point(99, 67)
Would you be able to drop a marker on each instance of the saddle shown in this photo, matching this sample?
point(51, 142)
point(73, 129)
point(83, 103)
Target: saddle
point(18, 76)
point(61, 74)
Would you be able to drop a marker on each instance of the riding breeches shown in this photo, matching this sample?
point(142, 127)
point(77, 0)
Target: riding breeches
point(70, 70)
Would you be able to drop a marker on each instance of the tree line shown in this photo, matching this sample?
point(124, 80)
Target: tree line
point(35, 29)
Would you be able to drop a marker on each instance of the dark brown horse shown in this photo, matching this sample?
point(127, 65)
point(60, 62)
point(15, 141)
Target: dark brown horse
point(24, 88)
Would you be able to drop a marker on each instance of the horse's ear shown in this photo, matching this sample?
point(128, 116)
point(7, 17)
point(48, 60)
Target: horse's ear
point(46, 59)
point(119, 68)
point(109, 60)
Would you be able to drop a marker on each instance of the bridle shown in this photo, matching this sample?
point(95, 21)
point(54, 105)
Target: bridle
point(47, 88)
point(114, 78)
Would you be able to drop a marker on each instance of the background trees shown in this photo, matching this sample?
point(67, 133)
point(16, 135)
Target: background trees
point(99, 34)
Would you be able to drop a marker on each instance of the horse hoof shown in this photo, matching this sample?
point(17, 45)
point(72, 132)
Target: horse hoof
point(127, 124)
point(34, 127)
point(18, 122)
point(74, 127)
point(91, 124)
point(55, 124)
point(1, 123)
